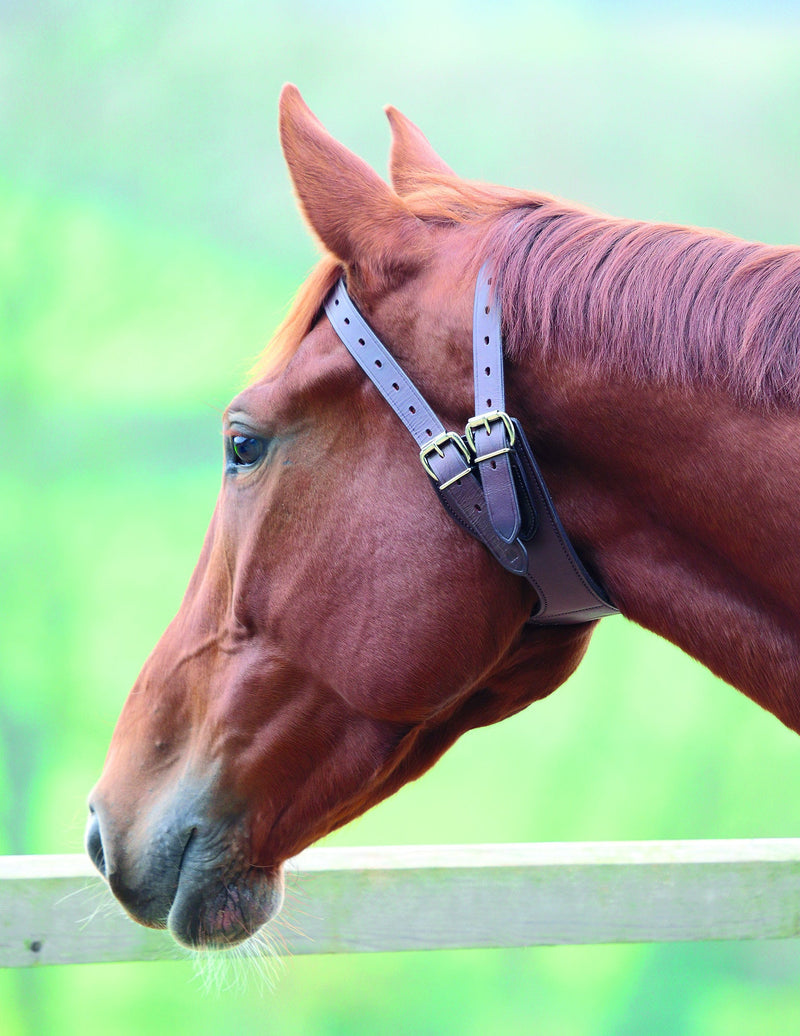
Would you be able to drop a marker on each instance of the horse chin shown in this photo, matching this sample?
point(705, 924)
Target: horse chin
point(212, 914)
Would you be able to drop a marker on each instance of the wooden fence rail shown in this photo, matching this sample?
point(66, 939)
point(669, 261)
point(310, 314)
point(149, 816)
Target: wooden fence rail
point(55, 910)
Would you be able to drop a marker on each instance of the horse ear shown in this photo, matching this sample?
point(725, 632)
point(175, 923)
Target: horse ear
point(412, 160)
point(354, 213)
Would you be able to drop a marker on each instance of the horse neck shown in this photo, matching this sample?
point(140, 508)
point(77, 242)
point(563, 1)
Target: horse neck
point(685, 503)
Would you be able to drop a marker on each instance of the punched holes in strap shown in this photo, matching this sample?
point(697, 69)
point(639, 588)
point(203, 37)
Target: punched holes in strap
point(490, 433)
point(444, 455)
point(547, 559)
point(380, 366)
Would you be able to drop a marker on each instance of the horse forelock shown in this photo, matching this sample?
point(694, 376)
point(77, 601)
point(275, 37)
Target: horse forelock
point(299, 320)
point(655, 302)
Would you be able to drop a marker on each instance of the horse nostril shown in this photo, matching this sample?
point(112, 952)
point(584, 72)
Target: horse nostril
point(94, 843)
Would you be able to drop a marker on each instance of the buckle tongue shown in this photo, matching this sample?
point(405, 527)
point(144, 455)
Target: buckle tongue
point(485, 421)
point(436, 445)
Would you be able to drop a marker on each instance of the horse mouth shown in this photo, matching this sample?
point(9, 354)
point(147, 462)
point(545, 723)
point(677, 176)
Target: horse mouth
point(198, 885)
point(221, 914)
point(221, 905)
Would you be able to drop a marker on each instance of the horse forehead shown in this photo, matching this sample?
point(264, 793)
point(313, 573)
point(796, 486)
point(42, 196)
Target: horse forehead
point(426, 324)
point(320, 363)
point(437, 299)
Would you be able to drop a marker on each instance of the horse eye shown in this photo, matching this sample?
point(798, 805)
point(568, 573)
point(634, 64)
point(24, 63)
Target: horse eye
point(246, 450)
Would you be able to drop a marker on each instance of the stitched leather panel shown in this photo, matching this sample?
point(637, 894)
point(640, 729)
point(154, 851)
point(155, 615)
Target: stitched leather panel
point(567, 593)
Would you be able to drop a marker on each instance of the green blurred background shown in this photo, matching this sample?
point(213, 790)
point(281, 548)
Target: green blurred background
point(148, 245)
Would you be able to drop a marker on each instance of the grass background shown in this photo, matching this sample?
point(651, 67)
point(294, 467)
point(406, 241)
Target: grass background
point(148, 245)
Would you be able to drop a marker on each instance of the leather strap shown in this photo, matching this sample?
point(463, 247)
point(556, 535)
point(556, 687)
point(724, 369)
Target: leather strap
point(490, 435)
point(567, 593)
point(449, 463)
point(380, 366)
point(487, 480)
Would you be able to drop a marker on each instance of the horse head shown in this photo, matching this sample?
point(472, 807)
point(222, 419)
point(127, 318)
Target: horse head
point(340, 631)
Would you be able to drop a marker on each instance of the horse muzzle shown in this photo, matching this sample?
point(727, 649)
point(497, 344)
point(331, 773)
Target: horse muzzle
point(184, 872)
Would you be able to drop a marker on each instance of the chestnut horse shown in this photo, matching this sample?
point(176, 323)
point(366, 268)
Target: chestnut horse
point(341, 631)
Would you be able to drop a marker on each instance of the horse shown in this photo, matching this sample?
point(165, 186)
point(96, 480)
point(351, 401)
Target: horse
point(341, 630)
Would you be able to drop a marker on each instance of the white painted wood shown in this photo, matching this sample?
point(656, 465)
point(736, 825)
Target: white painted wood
point(55, 910)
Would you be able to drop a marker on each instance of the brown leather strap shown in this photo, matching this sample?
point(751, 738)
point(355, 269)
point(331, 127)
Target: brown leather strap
point(444, 454)
point(488, 479)
point(490, 433)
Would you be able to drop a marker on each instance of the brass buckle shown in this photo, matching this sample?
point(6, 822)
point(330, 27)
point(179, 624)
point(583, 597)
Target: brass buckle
point(484, 421)
point(435, 446)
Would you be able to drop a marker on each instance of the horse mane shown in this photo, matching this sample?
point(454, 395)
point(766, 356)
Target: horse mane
point(655, 302)
point(651, 301)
